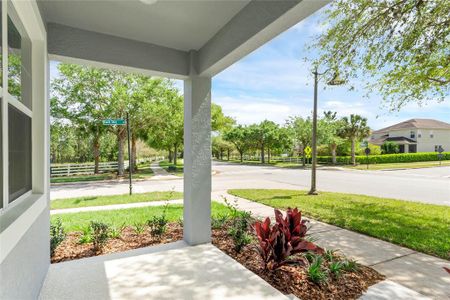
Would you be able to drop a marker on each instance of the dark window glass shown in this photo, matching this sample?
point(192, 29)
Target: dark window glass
point(19, 130)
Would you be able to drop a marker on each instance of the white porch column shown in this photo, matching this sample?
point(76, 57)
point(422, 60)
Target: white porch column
point(197, 160)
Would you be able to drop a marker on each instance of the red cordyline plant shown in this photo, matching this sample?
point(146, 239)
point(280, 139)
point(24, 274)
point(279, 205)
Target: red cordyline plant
point(283, 239)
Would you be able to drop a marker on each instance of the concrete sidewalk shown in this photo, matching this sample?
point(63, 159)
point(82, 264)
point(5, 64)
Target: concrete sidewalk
point(114, 206)
point(161, 173)
point(420, 272)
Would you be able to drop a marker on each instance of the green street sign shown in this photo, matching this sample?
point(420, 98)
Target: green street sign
point(114, 122)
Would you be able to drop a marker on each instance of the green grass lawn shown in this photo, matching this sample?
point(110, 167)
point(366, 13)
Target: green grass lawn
point(422, 227)
point(116, 199)
point(130, 216)
point(178, 168)
point(141, 173)
point(409, 165)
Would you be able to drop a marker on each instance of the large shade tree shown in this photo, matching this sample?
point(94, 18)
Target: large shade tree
point(401, 46)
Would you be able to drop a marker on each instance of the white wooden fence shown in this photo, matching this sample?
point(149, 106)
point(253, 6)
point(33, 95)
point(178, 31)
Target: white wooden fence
point(58, 170)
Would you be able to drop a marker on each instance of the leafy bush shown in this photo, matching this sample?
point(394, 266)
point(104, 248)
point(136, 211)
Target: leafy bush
point(277, 243)
point(389, 148)
point(219, 221)
point(315, 271)
point(239, 231)
point(85, 236)
point(386, 158)
point(99, 234)
point(57, 235)
point(158, 224)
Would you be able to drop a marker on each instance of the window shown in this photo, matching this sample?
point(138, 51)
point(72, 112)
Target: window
point(19, 130)
point(431, 134)
point(436, 148)
point(16, 112)
point(412, 134)
point(419, 134)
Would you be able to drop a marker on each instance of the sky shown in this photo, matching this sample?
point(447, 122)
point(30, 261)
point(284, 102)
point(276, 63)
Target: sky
point(274, 82)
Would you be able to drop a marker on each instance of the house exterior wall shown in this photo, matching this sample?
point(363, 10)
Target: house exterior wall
point(426, 143)
point(24, 223)
point(23, 270)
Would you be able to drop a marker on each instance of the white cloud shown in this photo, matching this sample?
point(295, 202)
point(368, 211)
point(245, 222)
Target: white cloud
point(248, 109)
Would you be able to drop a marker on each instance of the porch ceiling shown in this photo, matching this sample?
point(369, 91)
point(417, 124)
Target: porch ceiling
point(181, 25)
point(170, 38)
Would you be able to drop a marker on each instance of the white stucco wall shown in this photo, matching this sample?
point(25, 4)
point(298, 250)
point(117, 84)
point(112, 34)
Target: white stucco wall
point(426, 143)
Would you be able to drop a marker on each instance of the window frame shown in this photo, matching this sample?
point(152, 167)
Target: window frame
point(8, 11)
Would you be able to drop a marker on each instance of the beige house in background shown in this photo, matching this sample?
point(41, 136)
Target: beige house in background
point(415, 135)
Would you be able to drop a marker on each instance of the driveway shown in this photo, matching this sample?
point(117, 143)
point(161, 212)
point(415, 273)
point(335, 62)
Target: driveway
point(431, 185)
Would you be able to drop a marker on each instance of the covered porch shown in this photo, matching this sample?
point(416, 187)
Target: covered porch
point(187, 40)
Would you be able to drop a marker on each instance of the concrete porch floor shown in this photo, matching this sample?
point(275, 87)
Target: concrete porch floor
point(170, 271)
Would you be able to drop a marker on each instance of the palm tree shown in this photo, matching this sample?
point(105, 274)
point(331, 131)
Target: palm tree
point(354, 129)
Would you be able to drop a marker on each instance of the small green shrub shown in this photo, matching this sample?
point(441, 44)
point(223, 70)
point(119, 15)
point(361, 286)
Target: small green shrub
point(85, 236)
point(115, 232)
point(139, 228)
point(57, 235)
point(219, 221)
point(329, 255)
point(99, 234)
point(336, 268)
point(158, 224)
point(239, 231)
point(350, 265)
point(315, 271)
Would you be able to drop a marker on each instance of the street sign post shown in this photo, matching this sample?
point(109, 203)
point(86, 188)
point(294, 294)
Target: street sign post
point(440, 155)
point(367, 151)
point(121, 122)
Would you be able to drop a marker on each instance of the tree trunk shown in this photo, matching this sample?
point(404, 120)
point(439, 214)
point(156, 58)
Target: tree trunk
point(333, 153)
point(262, 154)
point(242, 156)
point(96, 149)
point(221, 154)
point(353, 152)
point(228, 154)
point(175, 151)
point(170, 156)
point(133, 152)
point(121, 157)
point(268, 155)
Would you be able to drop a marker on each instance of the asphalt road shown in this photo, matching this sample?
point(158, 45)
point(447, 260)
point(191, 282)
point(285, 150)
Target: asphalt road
point(428, 185)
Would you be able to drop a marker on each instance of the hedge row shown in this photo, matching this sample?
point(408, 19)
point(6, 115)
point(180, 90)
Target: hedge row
point(386, 158)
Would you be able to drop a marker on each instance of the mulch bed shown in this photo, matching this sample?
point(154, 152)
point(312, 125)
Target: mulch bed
point(289, 279)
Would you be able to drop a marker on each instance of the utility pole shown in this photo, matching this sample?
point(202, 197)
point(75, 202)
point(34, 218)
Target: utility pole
point(313, 190)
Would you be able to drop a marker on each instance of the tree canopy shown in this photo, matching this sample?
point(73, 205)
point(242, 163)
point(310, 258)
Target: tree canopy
point(402, 47)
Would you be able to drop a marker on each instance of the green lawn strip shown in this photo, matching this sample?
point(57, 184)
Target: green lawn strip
point(141, 173)
point(421, 227)
point(82, 178)
point(179, 168)
point(117, 218)
point(410, 165)
point(116, 199)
